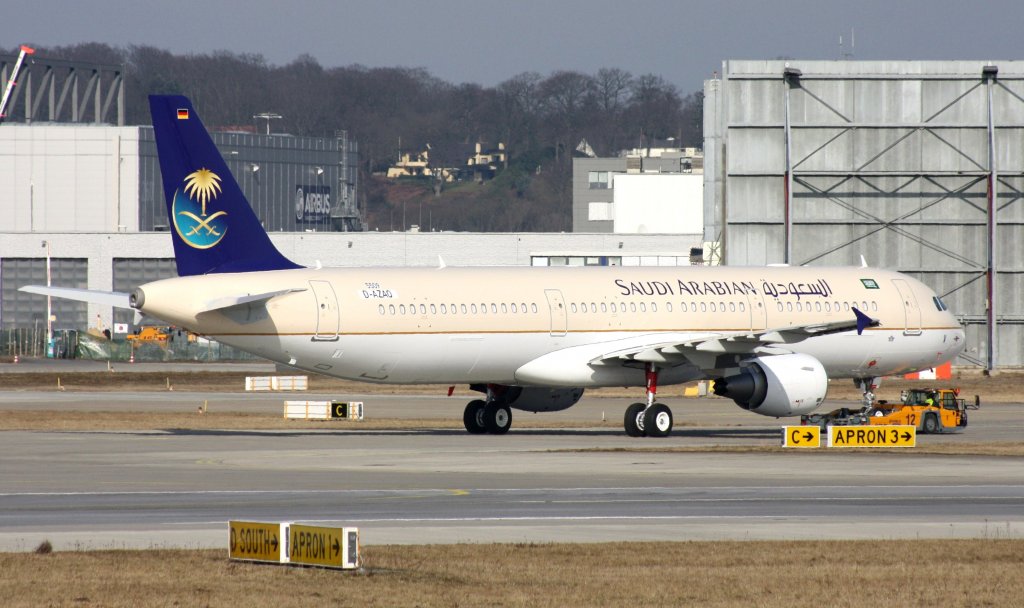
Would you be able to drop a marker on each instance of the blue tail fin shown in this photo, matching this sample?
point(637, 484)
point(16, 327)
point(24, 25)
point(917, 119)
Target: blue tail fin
point(214, 227)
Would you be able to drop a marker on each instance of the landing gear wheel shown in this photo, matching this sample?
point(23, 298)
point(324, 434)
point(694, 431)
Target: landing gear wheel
point(473, 417)
point(658, 420)
point(497, 418)
point(930, 424)
point(634, 420)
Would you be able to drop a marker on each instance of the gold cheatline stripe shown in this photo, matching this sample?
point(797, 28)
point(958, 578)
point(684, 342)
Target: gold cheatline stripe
point(547, 332)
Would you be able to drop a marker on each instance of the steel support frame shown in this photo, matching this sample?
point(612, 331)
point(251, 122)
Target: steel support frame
point(987, 170)
point(103, 99)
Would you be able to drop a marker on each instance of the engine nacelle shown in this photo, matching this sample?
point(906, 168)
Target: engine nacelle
point(537, 399)
point(777, 385)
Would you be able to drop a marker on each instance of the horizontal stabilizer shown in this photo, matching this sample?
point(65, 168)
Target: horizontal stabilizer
point(246, 300)
point(105, 298)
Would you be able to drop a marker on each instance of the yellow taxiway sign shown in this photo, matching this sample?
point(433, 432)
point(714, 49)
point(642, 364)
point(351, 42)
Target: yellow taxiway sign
point(255, 541)
point(323, 546)
point(806, 436)
point(889, 436)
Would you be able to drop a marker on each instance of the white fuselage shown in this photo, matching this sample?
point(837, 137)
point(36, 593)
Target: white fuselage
point(491, 325)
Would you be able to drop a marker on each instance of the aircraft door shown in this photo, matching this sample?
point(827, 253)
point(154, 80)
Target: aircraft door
point(559, 316)
point(758, 312)
point(328, 318)
point(911, 311)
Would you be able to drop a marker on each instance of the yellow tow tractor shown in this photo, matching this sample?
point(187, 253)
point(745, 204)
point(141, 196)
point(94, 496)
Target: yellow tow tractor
point(931, 410)
point(148, 334)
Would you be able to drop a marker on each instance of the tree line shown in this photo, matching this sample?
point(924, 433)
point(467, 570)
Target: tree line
point(540, 118)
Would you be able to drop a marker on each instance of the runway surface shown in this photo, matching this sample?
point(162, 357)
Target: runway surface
point(180, 487)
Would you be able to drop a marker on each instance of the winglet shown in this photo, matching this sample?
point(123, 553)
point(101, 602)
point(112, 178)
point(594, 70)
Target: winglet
point(864, 321)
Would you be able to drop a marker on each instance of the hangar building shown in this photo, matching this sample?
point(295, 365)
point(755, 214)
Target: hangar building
point(916, 165)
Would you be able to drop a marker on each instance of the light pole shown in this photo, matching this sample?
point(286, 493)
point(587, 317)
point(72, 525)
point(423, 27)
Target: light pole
point(49, 304)
point(267, 116)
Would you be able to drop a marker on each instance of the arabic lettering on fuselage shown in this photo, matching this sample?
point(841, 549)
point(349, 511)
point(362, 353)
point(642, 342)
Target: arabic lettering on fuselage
point(818, 288)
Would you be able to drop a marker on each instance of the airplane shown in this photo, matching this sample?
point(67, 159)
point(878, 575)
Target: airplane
point(526, 338)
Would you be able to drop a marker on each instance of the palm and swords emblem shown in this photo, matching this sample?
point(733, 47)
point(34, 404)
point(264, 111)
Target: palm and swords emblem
point(195, 226)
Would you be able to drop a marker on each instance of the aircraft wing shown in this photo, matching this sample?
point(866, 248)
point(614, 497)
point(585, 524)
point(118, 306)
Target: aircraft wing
point(702, 350)
point(772, 339)
point(107, 298)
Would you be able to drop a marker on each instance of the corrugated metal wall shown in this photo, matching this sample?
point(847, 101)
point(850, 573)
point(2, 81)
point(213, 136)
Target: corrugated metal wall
point(889, 160)
point(269, 169)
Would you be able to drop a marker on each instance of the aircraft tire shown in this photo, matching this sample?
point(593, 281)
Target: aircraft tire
point(634, 420)
point(497, 418)
point(473, 417)
point(658, 420)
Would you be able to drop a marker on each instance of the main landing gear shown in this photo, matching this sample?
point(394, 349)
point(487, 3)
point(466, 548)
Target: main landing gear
point(492, 416)
point(650, 419)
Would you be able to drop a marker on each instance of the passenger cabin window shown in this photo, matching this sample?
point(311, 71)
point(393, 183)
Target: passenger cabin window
point(533, 307)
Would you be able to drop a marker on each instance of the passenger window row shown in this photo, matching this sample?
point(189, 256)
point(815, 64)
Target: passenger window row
point(863, 306)
point(482, 308)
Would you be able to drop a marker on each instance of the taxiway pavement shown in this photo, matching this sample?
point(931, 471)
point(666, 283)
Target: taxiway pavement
point(105, 489)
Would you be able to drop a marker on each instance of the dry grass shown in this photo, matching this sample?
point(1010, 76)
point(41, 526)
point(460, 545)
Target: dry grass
point(1003, 387)
point(949, 573)
point(49, 420)
point(996, 448)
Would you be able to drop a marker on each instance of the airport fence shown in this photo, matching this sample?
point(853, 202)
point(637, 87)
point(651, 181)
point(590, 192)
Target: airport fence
point(71, 344)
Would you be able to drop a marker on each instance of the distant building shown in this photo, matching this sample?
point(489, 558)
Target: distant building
point(653, 190)
point(484, 163)
point(458, 163)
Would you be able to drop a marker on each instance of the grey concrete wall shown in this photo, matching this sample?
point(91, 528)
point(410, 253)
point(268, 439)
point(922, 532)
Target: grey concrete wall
point(349, 249)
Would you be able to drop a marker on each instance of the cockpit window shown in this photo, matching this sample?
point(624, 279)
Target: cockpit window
point(939, 304)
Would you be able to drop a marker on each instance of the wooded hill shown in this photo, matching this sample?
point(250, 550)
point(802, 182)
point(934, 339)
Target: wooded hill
point(541, 119)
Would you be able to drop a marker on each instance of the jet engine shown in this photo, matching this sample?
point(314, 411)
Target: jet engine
point(777, 385)
point(537, 399)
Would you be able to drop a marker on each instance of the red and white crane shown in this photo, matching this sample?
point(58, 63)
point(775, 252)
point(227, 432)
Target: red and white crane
point(13, 80)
